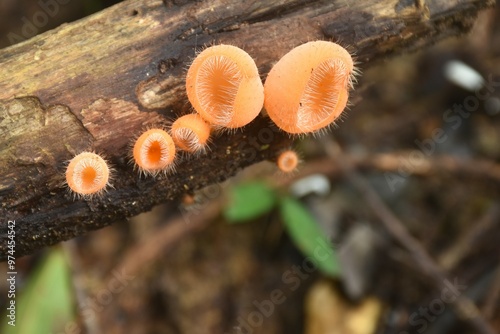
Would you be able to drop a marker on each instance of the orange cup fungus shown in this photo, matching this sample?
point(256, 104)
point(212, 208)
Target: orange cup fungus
point(154, 152)
point(287, 161)
point(307, 89)
point(224, 86)
point(87, 174)
point(190, 133)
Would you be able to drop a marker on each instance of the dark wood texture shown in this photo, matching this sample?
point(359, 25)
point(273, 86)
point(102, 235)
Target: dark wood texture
point(96, 83)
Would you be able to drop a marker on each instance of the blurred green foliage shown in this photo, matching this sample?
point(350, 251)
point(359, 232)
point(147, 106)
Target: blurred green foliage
point(251, 200)
point(46, 305)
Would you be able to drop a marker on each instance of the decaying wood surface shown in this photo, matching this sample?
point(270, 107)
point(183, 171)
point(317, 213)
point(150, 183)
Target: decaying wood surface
point(96, 83)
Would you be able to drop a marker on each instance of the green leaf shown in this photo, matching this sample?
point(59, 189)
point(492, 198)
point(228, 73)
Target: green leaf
point(249, 201)
point(46, 304)
point(308, 237)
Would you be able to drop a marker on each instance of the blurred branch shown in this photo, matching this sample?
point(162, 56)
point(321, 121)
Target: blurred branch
point(403, 164)
point(470, 238)
point(466, 308)
point(163, 239)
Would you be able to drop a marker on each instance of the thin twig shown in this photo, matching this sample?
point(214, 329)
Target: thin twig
point(405, 163)
point(419, 164)
point(454, 254)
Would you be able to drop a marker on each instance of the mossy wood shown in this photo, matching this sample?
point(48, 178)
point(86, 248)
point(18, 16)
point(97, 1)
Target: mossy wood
point(96, 83)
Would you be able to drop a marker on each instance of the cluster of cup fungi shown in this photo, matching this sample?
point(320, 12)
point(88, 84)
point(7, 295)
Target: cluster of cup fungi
point(305, 91)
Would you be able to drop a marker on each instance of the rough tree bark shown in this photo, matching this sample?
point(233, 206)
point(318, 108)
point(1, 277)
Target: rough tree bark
point(96, 83)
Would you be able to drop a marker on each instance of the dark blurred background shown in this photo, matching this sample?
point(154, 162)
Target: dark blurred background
point(16, 15)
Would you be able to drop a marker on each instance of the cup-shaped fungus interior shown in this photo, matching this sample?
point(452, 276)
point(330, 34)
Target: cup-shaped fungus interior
point(190, 133)
point(308, 88)
point(218, 84)
point(154, 151)
point(287, 161)
point(87, 174)
point(153, 155)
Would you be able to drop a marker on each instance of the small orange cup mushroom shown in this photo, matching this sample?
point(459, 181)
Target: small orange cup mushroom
point(87, 174)
point(154, 152)
point(308, 87)
point(224, 87)
point(190, 133)
point(287, 161)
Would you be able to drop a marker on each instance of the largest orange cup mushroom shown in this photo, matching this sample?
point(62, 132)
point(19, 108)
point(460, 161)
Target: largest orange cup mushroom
point(224, 87)
point(308, 88)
